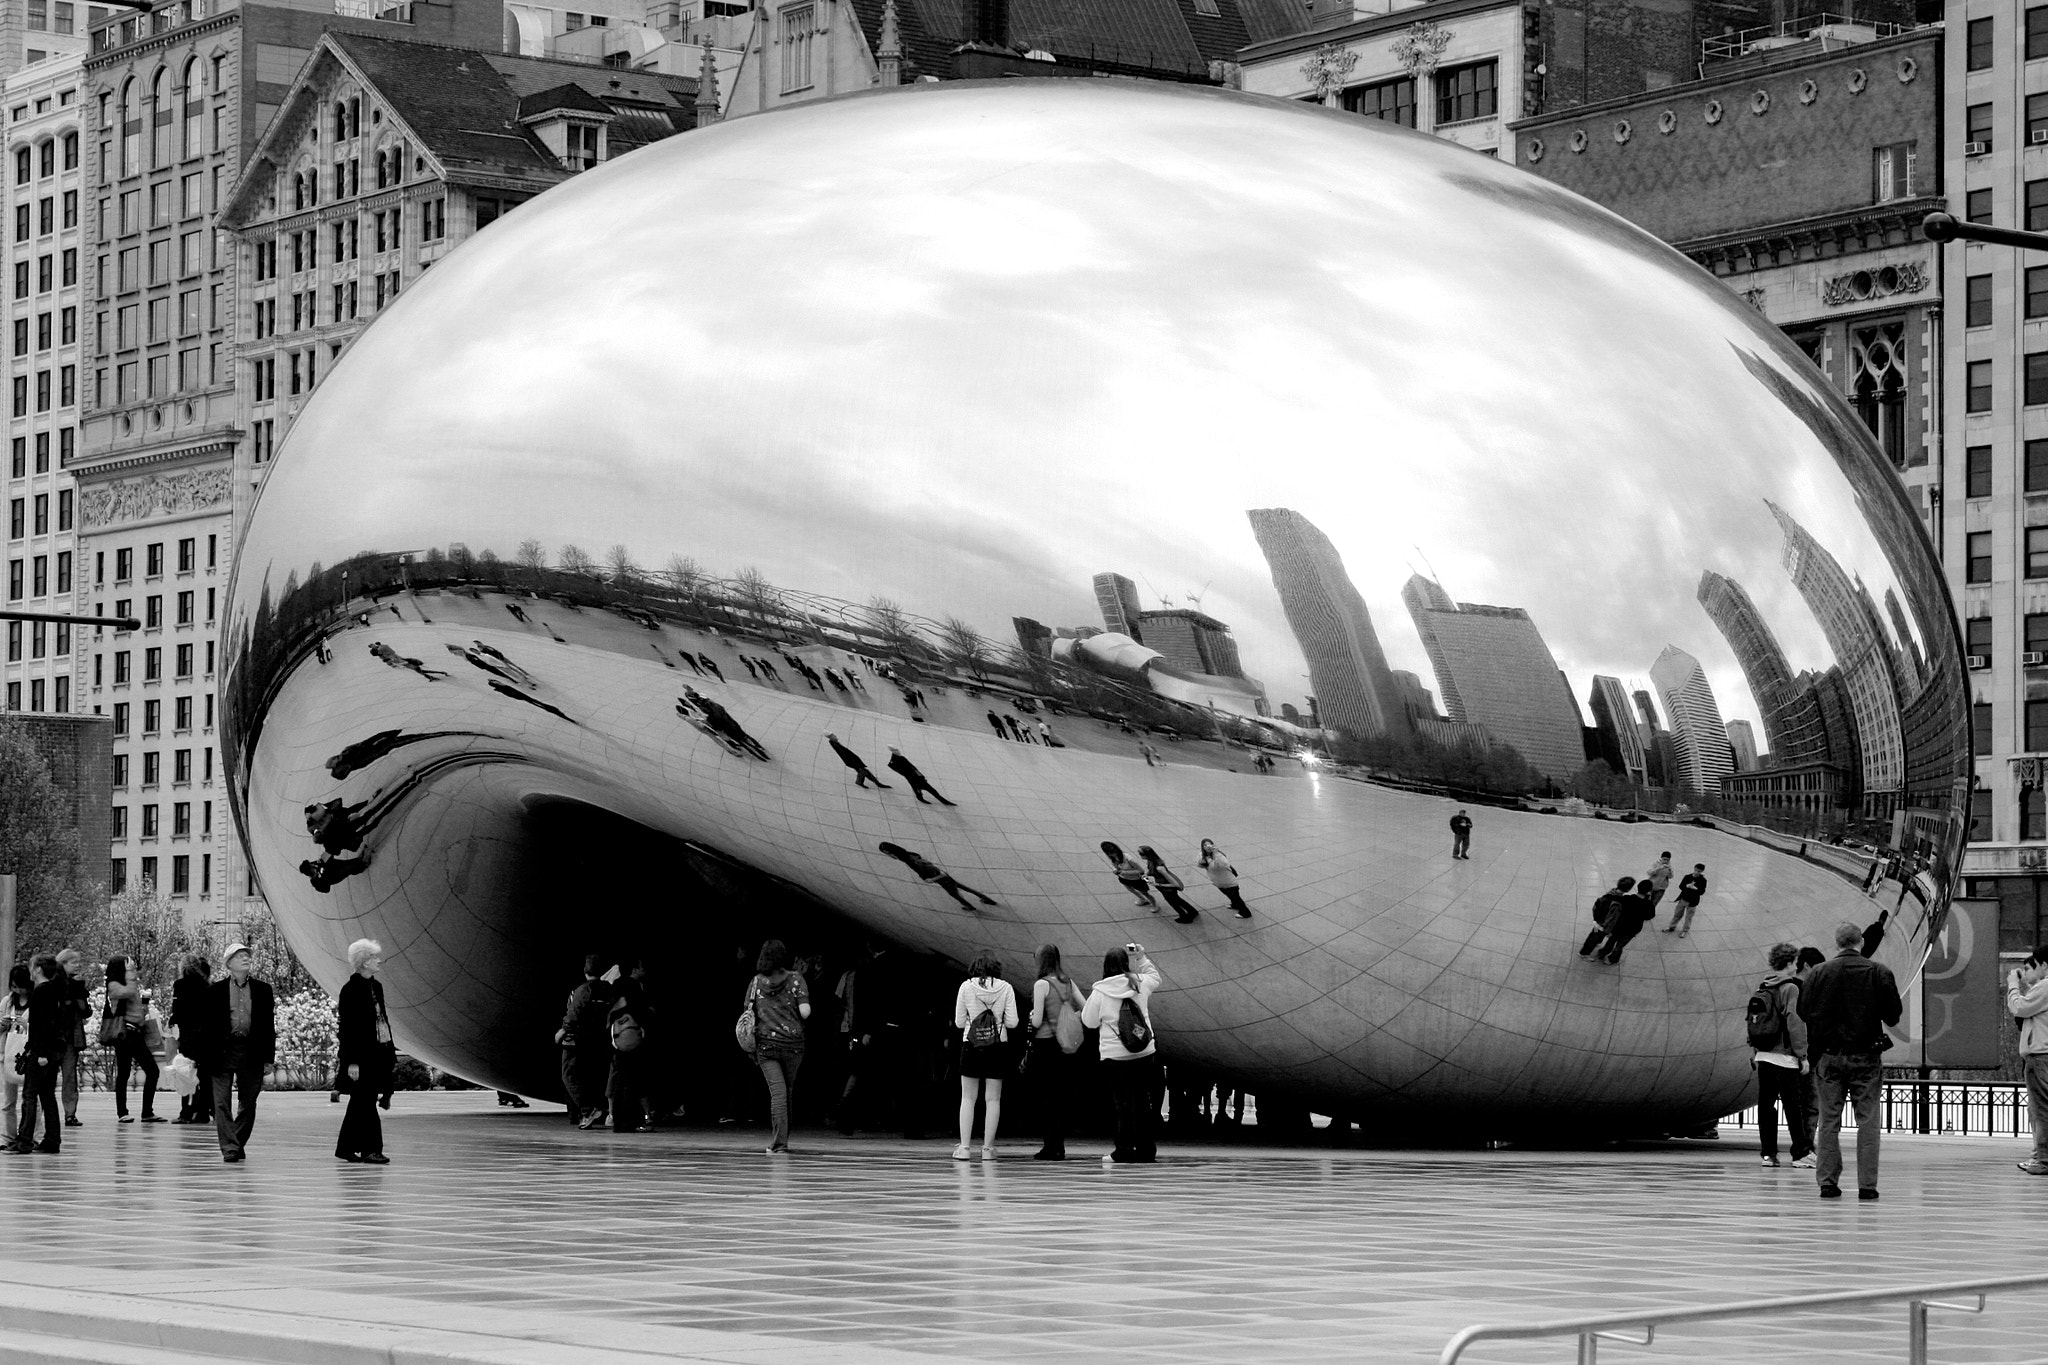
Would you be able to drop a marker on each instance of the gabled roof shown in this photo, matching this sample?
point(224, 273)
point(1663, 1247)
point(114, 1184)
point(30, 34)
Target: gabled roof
point(462, 108)
point(1157, 35)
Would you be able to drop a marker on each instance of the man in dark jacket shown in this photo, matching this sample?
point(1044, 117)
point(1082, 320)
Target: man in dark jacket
point(49, 1034)
point(1461, 834)
point(239, 1039)
point(862, 774)
point(586, 1044)
point(912, 774)
point(1847, 1002)
point(1603, 915)
point(627, 1024)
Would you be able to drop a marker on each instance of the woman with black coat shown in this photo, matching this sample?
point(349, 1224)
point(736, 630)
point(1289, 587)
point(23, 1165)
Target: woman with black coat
point(364, 1056)
point(188, 1014)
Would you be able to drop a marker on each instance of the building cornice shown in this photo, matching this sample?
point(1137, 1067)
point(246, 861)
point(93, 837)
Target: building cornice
point(1374, 26)
point(1758, 248)
point(170, 38)
point(107, 466)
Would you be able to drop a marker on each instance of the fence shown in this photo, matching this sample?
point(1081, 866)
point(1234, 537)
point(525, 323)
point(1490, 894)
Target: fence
point(1958, 1108)
point(292, 1071)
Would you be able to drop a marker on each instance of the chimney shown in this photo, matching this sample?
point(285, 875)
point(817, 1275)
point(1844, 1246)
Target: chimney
point(889, 51)
point(707, 87)
point(988, 24)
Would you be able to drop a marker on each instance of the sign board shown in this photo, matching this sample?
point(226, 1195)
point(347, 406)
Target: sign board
point(1961, 992)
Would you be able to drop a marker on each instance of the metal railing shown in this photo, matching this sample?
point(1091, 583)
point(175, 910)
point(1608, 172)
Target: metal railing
point(1616, 1327)
point(1727, 45)
point(1953, 1108)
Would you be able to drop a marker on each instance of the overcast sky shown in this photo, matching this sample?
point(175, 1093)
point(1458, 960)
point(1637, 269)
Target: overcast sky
point(967, 347)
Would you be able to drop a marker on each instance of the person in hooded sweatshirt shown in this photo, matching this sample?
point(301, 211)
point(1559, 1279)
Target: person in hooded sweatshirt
point(984, 1049)
point(1133, 1075)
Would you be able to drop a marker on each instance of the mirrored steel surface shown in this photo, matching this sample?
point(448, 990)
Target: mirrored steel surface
point(1307, 480)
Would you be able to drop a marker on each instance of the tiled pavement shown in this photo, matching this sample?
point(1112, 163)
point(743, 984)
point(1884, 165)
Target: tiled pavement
point(859, 1250)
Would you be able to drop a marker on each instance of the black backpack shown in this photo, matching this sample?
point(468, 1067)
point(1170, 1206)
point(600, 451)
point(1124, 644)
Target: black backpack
point(1765, 1017)
point(984, 1031)
point(1133, 1029)
point(591, 1021)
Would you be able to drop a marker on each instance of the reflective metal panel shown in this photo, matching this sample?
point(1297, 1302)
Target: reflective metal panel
point(1152, 467)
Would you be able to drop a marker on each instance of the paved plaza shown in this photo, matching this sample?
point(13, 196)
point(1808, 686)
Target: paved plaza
point(518, 1229)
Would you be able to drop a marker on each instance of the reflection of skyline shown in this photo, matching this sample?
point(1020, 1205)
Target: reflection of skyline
point(1494, 669)
point(1699, 738)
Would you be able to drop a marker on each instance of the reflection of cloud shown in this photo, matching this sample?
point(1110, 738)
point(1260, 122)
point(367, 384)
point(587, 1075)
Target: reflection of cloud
point(964, 347)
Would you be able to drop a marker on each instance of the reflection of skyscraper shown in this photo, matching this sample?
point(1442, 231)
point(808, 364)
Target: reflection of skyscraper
point(1494, 669)
point(1033, 637)
point(1414, 696)
point(1791, 719)
point(1699, 741)
point(1117, 596)
point(1849, 619)
point(1655, 741)
point(1621, 742)
point(1190, 640)
point(1346, 665)
point(1742, 740)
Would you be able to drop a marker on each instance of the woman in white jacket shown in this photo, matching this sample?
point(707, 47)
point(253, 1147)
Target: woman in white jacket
point(1133, 1072)
point(984, 1049)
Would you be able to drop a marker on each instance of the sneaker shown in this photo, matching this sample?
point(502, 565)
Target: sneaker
point(1831, 1191)
point(777, 1151)
point(1867, 1192)
point(1771, 1161)
point(152, 1118)
point(125, 1118)
point(988, 1154)
point(963, 1153)
point(73, 1122)
point(1047, 1154)
point(2035, 1167)
point(587, 1121)
point(1804, 1163)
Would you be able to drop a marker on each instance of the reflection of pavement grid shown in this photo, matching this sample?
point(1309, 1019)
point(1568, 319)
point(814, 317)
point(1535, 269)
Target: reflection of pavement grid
point(1361, 913)
point(1221, 1255)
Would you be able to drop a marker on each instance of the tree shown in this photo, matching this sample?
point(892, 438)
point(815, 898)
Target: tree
point(149, 931)
point(1599, 783)
point(758, 595)
point(54, 894)
point(573, 559)
point(684, 575)
point(275, 961)
point(963, 644)
point(888, 620)
point(619, 566)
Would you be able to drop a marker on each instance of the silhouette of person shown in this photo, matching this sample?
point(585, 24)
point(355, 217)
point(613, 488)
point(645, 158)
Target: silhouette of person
point(752, 672)
point(1169, 885)
point(909, 772)
point(333, 825)
point(691, 660)
point(768, 668)
point(1461, 834)
point(1129, 875)
point(508, 690)
point(325, 873)
point(518, 614)
point(710, 667)
point(720, 719)
point(1015, 733)
point(931, 872)
point(995, 723)
point(861, 774)
point(364, 752)
point(394, 659)
point(502, 658)
point(1223, 876)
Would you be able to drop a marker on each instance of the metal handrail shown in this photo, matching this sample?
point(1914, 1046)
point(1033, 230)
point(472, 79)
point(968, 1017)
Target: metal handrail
point(1609, 1326)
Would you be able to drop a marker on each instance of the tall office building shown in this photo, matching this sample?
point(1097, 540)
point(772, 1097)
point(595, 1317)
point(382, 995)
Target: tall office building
point(1191, 640)
point(1655, 739)
point(1791, 717)
point(1849, 619)
point(1117, 596)
point(1493, 669)
point(1348, 669)
point(1699, 740)
point(1620, 738)
point(1742, 739)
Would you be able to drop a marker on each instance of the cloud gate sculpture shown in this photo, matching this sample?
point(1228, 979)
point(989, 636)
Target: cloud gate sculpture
point(1147, 465)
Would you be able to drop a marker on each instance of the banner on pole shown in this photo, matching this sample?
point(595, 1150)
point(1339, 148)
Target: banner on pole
point(1961, 993)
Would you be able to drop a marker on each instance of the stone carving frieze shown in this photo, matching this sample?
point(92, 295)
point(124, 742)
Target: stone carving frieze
point(156, 496)
point(1861, 286)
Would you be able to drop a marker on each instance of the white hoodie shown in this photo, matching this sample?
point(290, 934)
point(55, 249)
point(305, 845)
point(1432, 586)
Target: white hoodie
point(974, 997)
point(1105, 1003)
point(2030, 1008)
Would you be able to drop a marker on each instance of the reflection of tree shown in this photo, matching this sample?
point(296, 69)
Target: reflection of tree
point(573, 559)
point(619, 566)
point(889, 623)
point(757, 595)
point(964, 645)
point(532, 555)
point(684, 576)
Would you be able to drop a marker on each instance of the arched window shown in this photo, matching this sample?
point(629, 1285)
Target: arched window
point(70, 151)
point(46, 157)
point(131, 129)
point(190, 93)
point(160, 117)
point(24, 166)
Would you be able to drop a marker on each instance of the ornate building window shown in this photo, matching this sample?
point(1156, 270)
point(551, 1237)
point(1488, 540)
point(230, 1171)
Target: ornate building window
point(1878, 377)
point(796, 47)
point(1390, 101)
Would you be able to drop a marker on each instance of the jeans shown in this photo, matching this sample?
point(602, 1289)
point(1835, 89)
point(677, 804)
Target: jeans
point(1048, 1073)
point(132, 1052)
point(1134, 1090)
point(584, 1079)
point(2036, 1064)
point(778, 1067)
point(232, 1128)
point(1776, 1085)
point(68, 1066)
point(1853, 1078)
point(10, 1106)
point(40, 1091)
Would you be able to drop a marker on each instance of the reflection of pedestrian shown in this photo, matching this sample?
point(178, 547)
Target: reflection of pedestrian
point(720, 719)
point(687, 657)
point(1151, 754)
point(364, 752)
point(393, 659)
point(327, 872)
point(910, 773)
point(1129, 875)
point(1170, 886)
point(333, 825)
point(748, 664)
point(768, 670)
point(1627, 913)
point(1223, 876)
point(1603, 908)
point(1656, 880)
point(995, 723)
point(862, 775)
point(936, 875)
point(1047, 738)
point(506, 689)
point(1461, 834)
point(1691, 887)
point(1015, 733)
point(710, 667)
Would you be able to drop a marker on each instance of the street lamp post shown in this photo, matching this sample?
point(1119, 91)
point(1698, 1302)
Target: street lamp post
point(65, 618)
point(1946, 227)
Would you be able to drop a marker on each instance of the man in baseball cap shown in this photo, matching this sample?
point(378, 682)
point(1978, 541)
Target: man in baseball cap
point(240, 1040)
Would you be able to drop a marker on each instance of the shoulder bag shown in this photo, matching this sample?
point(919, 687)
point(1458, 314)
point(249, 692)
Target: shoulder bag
point(743, 1030)
point(1067, 1027)
point(111, 1027)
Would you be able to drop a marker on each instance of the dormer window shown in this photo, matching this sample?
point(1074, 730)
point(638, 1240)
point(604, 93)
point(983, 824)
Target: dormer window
point(582, 152)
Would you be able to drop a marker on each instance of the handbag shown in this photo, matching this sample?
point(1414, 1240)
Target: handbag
point(182, 1075)
point(112, 1030)
point(1067, 1028)
point(743, 1029)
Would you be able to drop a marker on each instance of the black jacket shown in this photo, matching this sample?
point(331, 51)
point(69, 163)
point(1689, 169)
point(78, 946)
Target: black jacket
point(216, 1018)
point(1846, 1003)
point(50, 1018)
point(360, 1006)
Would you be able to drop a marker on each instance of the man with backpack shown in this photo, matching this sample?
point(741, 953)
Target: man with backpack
point(1603, 911)
point(585, 1041)
point(1777, 1041)
point(626, 1024)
